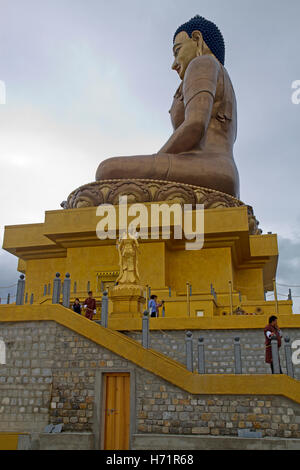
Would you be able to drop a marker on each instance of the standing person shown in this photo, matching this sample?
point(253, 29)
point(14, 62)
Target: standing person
point(77, 306)
point(152, 305)
point(90, 306)
point(271, 330)
point(158, 305)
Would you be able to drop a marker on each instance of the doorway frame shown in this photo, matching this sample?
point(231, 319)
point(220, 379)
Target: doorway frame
point(100, 400)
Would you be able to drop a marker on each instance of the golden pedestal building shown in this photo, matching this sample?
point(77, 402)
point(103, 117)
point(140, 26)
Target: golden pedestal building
point(229, 275)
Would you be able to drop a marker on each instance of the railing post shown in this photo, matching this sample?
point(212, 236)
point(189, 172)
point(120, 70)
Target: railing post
point(237, 356)
point(275, 297)
point(188, 311)
point(75, 287)
point(26, 298)
point(49, 289)
point(145, 330)
point(163, 312)
point(230, 297)
point(288, 357)
point(275, 355)
point(189, 350)
point(66, 291)
point(201, 357)
point(88, 287)
point(213, 292)
point(31, 299)
point(20, 290)
point(147, 297)
point(56, 289)
point(8, 298)
point(104, 309)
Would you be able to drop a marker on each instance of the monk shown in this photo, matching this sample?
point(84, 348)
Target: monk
point(90, 306)
point(270, 330)
point(203, 115)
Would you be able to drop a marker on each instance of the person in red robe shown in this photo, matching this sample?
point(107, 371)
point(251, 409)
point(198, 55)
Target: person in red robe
point(271, 330)
point(90, 306)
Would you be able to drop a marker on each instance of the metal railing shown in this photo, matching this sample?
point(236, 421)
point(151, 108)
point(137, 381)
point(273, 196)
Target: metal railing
point(237, 351)
point(63, 290)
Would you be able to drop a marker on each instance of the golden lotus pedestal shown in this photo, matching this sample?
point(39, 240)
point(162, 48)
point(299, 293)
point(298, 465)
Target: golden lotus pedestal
point(127, 301)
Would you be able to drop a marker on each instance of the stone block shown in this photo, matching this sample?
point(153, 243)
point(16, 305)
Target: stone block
point(202, 430)
point(184, 416)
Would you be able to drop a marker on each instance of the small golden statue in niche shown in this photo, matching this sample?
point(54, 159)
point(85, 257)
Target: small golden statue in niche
point(128, 295)
point(128, 260)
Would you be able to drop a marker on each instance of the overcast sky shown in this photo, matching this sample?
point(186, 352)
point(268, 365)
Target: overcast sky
point(90, 79)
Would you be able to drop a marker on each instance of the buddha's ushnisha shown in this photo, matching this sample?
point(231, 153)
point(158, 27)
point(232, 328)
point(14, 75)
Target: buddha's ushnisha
point(203, 115)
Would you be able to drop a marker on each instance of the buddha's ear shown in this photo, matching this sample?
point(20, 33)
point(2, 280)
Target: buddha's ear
point(197, 36)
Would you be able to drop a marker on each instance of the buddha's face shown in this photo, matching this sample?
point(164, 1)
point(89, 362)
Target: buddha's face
point(186, 49)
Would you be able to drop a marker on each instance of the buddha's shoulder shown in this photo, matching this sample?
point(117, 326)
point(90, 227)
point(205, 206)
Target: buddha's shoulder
point(207, 63)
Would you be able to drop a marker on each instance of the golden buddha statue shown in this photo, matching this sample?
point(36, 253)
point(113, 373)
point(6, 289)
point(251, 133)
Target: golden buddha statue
point(203, 115)
point(128, 248)
point(127, 295)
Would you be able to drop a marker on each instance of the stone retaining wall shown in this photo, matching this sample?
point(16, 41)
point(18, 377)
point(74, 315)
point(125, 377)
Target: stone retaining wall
point(50, 376)
point(219, 352)
point(163, 408)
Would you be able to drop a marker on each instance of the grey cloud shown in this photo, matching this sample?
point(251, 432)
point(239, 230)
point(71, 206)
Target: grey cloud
point(8, 275)
point(288, 273)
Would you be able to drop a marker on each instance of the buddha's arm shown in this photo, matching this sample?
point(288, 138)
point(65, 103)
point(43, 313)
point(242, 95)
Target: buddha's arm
point(199, 88)
point(193, 129)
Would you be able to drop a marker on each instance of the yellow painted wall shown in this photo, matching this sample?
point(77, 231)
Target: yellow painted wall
point(250, 283)
point(40, 272)
point(200, 268)
point(152, 264)
point(160, 267)
point(8, 441)
point(83, 263)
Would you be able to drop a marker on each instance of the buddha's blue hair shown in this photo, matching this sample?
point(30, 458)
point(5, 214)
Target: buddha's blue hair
point(210, 32)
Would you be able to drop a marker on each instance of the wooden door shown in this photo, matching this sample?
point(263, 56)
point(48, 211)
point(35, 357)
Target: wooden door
point(117, 411)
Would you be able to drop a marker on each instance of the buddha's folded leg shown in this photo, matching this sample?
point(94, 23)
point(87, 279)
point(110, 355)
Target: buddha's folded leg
point(141, 166)
point(208, 170)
